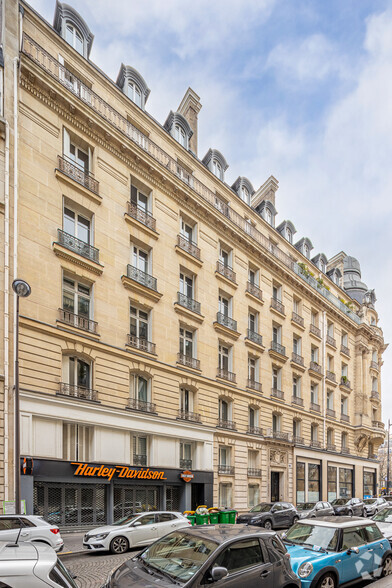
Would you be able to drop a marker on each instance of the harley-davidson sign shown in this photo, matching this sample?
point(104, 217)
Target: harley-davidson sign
point(102, 471)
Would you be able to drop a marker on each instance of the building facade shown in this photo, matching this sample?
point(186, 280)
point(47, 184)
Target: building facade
point(179, 347)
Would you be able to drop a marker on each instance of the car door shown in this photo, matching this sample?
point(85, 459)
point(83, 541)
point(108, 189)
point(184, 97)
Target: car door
point(247, 566)
point(328, 509)
point(10, 527)
point(375, 544)
point(145, 532)
point(319, 509)
point(352, 565)
point(287, 514)
point(278, 515)
point(166, 523)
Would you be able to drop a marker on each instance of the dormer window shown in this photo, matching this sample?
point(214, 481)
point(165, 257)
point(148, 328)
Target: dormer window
point(287, 230)
point(289, 235)
point(133, 85)
point(245, 194)
point(244, 189)
point(306, 251)
point(216, 163)
point(305, 246)
point(134, 93)
point(74, 38)
point(71, 26)
point(217, 169)
point(179, 135)
point(179, 128)
point(322, 266)
point(268, 216)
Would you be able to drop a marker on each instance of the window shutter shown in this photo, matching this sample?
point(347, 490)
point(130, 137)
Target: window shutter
point(134, 195)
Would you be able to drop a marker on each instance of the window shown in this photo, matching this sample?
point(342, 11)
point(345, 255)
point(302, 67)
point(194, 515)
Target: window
point(296, 428)
point(330, 437)
point(140, 259)
point(76, 442)
point(77, 372)
point(185, 454)
point(300, 482)
point(224, 410)
point(344, 339)
point(140, 450)
point(225, 493)
point(74, 37)
point(330, 329)
point(140, 388)
point(344, 405)
point(276, 378)
point(253, 371)
point(225, 257)
point(374, 356)
point(369, 483)
point(253, 457)
point(217, 169)
point(314, 352)
point(224, 305)
point(139, 326)
point(277, 292)
point(253, 321)
point(374, 384)
point(253, 417)
point(224, 456)
point(344, 370)
point(224, 357)
point(134, 93)
point(187, 231)
point(313, 482)
point(186, 285)
point(76, 224)
point(330, 399)
point(245, 195)
point(268, 216)
point(332, 483)
point(322, 265)
point(306, 250)
point(180, 135)
point(186, 400)
point(344, 440)
point(314, 432)
point(276, 423)
point(253, 495)
point(330, 363)
point(297, 386)
point(276, 333)
point(76, 152)
point(76, 297)
point(186, 342)
point(314, 317)
point(345, 483)
point(139, 199)
point(296, 305)
point(297, 345)
point(289, 235)
point(314, 393)
point(253, 276)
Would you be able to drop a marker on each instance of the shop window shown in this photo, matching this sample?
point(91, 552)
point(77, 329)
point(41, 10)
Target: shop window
point(332, 483)
point(225, 495)
point(76, 442)
point(345, 483)
point(253, 495)
point(313, 482)
point(300, 482)
point(369, 484)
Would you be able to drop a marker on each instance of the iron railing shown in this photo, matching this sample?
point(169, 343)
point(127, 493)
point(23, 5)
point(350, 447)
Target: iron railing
point(297, 400)
point(186, 415)
point(315, 330)
point(254, 290)
point(191, 362)
point(331, 341)
point(255, 337)
point(224, 424)
point(315, 367)
point(330, 376)
point(225, 270)
point(185, 464)
point(331, 447)
point(296, 318)
point(275, 393)
point(298, 440)
point(226, 321)
point(297, 358)
point(275, 346)
point(78, 392)
point(226, 470)
point(75, 320)
point(141, 344)
point(253, 385)
point(315, 444)
point(255, 430)
point(78, 246)
point(344, 417)
point(141, 277)
point(188, 303)
point(226, 375)
point(315, 407)
point(330, 412)
point(280, 435)
point(139, 459)
point(86, 179)
point(56, 70)
point(140, 214)
point(141, 405)
point(277, 305)
point(188, 246)
point(345, 350)
point(345, 451)
point(254, 472)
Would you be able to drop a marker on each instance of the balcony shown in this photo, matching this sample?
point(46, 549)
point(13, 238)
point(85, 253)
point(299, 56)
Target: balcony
point(345, 451)
point(297, 358)
point(297, 400)
point(141, 344)
point(141, 405)
point(186, 415)
point(254, 472)
point(224, 424)
point(254, 337)
point(278, 348)
point(185, 464)
point(298, 319)
point(344, 417)
point(77, 321)
point(279, 435)
point(191, 362)
point(315, 407)
point(378, 425)
point(225, 271)
point(315, 331)
point(140, 214)
point(78, 392)
point(298, 440)
point(253, 385)
point(330, 376)
point(255, 430)
point(331, 447)
point(345, 350)
point(344, 381)
point(255, 291)
point(188, 303)
point(331, 413)
point(277, 305)
point(316, 444)
point(85, 179)
point(224, 374)
point(275, 393)
point(188, 246)
point(374, 365)
point(226, 470)
point(137, 275)
point(139, 459)
point(331, 341)
point(315, 367)
point(226, 321)
point(77, 246)
point(374, 395)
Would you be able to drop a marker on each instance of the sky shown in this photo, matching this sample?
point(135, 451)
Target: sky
point(301, 90)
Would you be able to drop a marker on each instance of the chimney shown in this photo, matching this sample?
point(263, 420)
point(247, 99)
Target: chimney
point(189, 108)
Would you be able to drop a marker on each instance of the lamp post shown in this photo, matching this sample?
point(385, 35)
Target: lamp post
point(22, 290)
point(389, 425)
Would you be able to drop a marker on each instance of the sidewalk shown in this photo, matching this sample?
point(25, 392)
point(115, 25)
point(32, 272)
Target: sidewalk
point(73, 543)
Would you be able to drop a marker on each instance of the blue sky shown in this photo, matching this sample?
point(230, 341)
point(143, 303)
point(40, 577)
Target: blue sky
point(300, 89)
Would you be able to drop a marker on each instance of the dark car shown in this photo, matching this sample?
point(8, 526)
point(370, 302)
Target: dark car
point(219, 555)
point(349, 507)
point(312, 510)
point(270, 515)
point(374, 505)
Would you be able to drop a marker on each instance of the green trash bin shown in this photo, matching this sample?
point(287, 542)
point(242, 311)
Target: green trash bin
point(214, 518)
point(192, 519)
point(202, 519)
point(224, 516)
point(232, 516)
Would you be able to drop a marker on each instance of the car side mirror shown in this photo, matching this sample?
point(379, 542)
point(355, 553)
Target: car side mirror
point(218, 573)
point(284, 535)
point(353, 550)
point(137, 524)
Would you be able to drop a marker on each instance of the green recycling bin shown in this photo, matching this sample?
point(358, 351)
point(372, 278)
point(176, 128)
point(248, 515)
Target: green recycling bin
point(202, 519)
point(224, 516)
point(192, 519)
point(232, 516)
point(214, 518)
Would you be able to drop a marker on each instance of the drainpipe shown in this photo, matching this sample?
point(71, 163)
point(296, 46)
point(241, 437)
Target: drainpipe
point(6, 300)
point(15, 236)
point(324, 375)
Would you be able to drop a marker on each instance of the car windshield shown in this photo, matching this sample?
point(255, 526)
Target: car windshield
point(340, 501)
point(314, 536)
point(126, 520)
point(384, 516)
point(263, 507)
point(178, 555)
point(370, 500)
point(306, 506)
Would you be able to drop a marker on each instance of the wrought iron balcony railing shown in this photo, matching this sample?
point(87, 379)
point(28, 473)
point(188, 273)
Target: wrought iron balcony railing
point(344, 417)
point(186, 415)
point(331, 341)
point(254, 472)
point(86, 179)
point(331, 376)
point(315, 407)
point(185, 464)
point(253, 385)
point(315, 367)
point(275, 346)
point(280, 435)
point(141, 344)
point(188, 303)
point(296, 318)
point(297, 400)
point(141, 277)
point(75, 320)
point(255, 337)
point(139, 459)
point(191, 362)
point(330, 412)
point(77, 246)
point(226, 375)
point(315, 330)
point(255, 430)
point(226, 321)
point(275, 393)
point(345, 350)
point(297, 358)
point(141, 215)
point(78, 392)
point(226, 470)
point(254, 290)
point(224, 424)
point(141, 405)
point(225, 270)
point(188, 246)
point(277, 305)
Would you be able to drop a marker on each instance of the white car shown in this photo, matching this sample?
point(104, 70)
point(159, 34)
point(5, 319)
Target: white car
point(384, 522)
point(134, 531)
point(32, 565)
point(32, 528)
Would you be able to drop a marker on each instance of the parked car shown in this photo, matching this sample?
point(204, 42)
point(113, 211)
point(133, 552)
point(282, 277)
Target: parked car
point(32, 528)
point(270, 515)
point(312, 510)
point(374, 505)
point(331, 552)
point(221, 555)
point(388, 498)
point(134, 530)
point(383, 520)
point(32, 565)
point(348, 507)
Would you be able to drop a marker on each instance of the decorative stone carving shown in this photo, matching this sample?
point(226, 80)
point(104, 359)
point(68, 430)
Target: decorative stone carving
point(361, 441)
point(277, 456)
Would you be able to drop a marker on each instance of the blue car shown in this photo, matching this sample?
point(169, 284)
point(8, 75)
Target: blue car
point(333, 552)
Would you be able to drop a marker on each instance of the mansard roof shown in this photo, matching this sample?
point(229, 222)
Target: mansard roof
point(217, 155)
point(240, 182)
point(177, 118)
point(128, 73)
point(65, 12)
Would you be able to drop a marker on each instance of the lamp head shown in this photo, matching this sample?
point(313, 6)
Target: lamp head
point(21, 288)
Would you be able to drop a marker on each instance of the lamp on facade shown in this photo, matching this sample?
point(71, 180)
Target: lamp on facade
point(22, 289)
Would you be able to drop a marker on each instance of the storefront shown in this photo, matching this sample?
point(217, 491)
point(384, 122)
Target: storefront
point(77, 494)
point(308, 480)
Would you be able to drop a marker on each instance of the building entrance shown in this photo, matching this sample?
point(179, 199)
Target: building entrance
point(275, 486)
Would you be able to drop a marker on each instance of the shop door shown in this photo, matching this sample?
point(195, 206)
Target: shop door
point(275, 486)
point(197, 496)
point(128, 499)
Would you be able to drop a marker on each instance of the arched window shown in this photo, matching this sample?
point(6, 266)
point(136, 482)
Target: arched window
point(140, 393)
point(289, 235)
point(306, 251)
point(245, 194)
point(268, 216)
point(134, 93)
point(179, 135)
point(74, 37)
point(322, 266)
point(217, 169)
point(77, 378)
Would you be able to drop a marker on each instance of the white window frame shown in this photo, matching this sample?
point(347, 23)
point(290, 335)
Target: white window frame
point(276, 378)
point(139, 320)
point(245, 194)
point(134, 391)
point(75, 33)
point(221, 403)
point(136, 252)
point(222, 353)
point(187, 335)
point(186, 399)
point(276, 422)
point(314, 393)
point(77, 440)
point(133, 91)
point(330, 399)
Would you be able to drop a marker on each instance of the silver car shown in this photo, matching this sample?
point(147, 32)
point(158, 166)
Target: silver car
point(30, 528)
point(134, 531)
point(32, 565)
point(384, 522)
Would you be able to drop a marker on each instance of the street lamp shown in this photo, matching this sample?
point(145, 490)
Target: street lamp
point(22, 290)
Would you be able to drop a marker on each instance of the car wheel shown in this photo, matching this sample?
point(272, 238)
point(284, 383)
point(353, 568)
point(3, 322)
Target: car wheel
point(327, 581)
point(364, 513)
point(350, 513)
point(267, 524)
point(387, 566)
point(119, 544)
point(295, 520)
